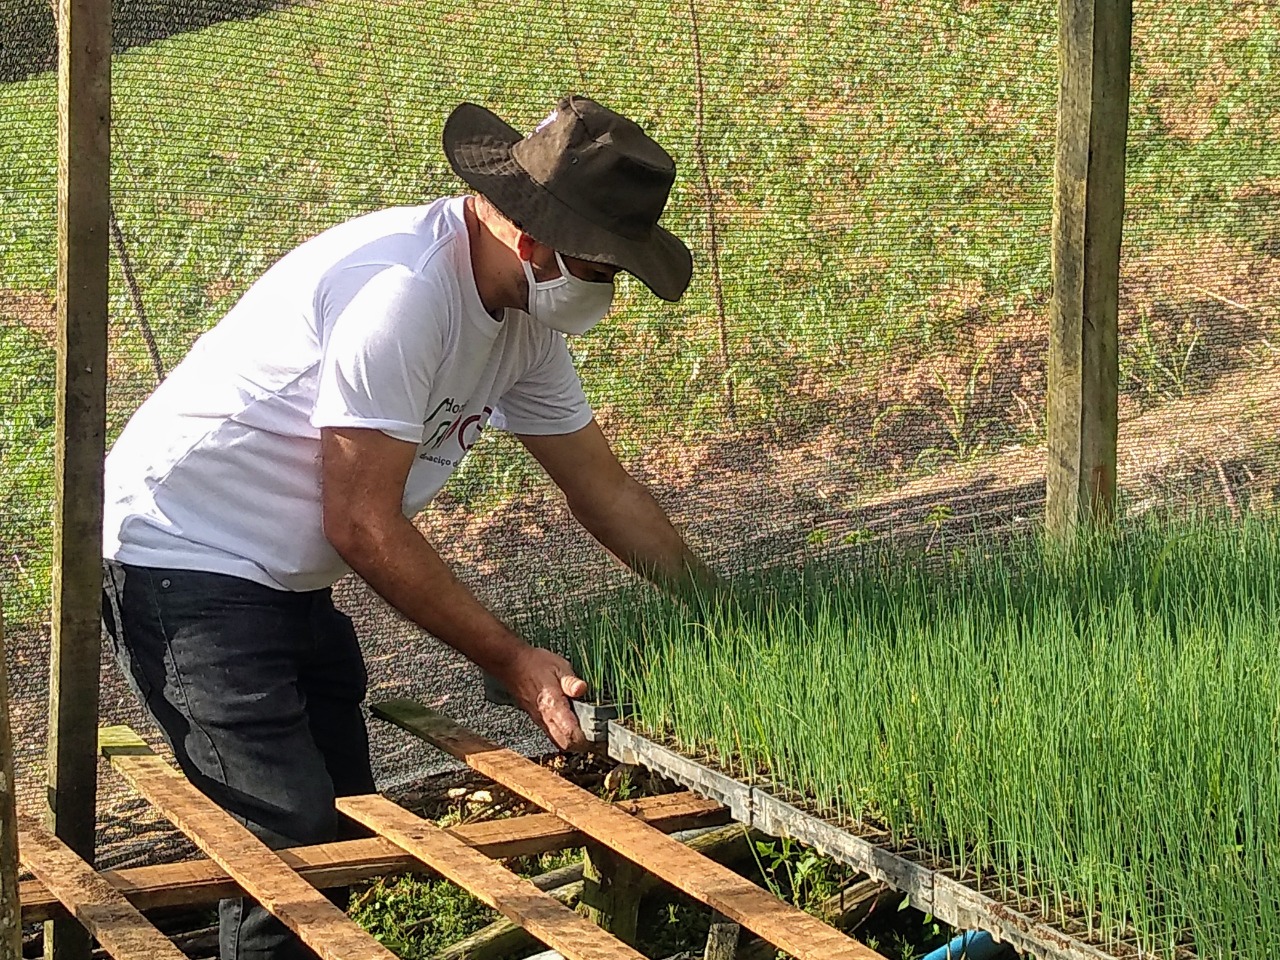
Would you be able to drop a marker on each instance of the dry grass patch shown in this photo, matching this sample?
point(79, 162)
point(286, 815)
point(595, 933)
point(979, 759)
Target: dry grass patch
point(35, 311)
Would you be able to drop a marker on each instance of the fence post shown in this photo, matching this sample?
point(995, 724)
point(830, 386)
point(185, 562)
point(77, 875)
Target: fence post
point(84, 120)
point(10, 905)
point(1088, 214)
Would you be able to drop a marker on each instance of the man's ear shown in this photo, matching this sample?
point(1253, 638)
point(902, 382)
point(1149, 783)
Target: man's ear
point(525, 246)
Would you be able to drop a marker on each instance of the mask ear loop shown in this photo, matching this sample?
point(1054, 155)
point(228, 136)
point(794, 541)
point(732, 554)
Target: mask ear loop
point(535, 284)
point(531, 304)
point(535, 267)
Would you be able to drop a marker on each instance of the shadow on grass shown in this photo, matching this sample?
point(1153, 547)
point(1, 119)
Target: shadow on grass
point(28, 38)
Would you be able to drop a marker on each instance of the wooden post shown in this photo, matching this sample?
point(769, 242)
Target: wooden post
point(1088, 215)
point(611, 890)
point(722, 939)
point(84, 118)
point(10, 903)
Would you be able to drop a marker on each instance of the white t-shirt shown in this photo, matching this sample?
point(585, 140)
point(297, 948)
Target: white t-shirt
point(375, 323)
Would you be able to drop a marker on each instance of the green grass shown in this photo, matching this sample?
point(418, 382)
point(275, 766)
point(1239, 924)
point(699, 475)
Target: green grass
point(1096, 727)
point(881, 178)
point(865, 163)
point(414, 917)
point(26, 458)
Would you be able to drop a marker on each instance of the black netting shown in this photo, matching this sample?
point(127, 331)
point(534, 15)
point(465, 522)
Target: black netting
point(867, 188)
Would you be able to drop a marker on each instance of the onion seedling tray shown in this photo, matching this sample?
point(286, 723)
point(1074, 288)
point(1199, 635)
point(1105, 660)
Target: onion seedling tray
point(930, 886)
point(594, 718)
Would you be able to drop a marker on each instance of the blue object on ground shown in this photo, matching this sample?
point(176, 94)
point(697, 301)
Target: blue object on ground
point(971, 945)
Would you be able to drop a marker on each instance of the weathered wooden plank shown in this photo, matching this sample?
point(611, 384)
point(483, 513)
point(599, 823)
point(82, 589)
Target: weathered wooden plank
point(259, 870)
point(118, 926)
point(518, 900)
point(502, 938)
point(84, 141)
point(350, 861)
point(10, 901)
point(1088, 216)
point(792, 930)
point(730, 845)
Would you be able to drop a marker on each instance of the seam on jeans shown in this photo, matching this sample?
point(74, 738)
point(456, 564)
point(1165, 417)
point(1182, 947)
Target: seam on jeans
point(237, 925)
point(135, 676)
point(182, 691)
point(114, 594)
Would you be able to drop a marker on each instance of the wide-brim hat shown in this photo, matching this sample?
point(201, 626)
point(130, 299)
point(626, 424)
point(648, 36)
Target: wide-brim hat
point(587, 182)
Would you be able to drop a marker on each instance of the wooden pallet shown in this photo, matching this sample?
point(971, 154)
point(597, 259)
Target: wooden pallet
point(518, 900)
point(195, 882)
point(799, 934)
point(286, 882)
point(266, 876)
point(251, 863)
point(118, 925)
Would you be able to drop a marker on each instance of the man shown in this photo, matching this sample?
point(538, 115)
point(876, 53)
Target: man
point(300, 436)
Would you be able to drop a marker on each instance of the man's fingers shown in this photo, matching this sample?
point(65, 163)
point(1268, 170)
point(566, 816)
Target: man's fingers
point(562, 726)
point(556, 716)
point(572, 686)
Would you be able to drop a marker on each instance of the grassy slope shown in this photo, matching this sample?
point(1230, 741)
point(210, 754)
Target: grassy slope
point(881, 173)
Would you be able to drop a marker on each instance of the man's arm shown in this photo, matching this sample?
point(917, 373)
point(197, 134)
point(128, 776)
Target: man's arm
point(363, 478)
point(616, 509)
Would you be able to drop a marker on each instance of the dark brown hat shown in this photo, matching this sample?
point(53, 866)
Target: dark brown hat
point(587, 182)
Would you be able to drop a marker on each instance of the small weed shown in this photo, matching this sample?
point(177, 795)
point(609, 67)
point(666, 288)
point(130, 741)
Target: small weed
point(1158, 361)
point(963, 426)
point(414, 917)
point(798, 874)
point(620, 784)
point(937, 518)
point(669, 927)
point(906, 935)
point(817, 537)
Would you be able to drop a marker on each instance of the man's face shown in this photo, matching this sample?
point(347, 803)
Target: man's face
point(544, 266)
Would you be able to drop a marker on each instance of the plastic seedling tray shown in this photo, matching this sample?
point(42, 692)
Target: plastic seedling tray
point(952, 900)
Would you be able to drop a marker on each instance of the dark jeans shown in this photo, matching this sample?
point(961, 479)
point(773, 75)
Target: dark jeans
point(258, 691)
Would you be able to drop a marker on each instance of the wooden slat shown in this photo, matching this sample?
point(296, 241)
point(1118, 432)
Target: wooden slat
point(350, 861)
point(576, 937)
point(792, 930)
point(1088, 215)
point(10, 898)
point(259, 870)
point(118, 926)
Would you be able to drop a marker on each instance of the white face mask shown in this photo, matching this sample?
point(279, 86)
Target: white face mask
point(567, 303)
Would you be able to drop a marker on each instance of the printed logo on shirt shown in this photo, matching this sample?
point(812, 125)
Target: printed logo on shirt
point(449, 420)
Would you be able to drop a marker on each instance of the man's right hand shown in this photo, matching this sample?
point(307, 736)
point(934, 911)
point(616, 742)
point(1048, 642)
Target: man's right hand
point(541, 683)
